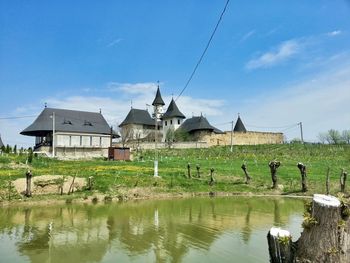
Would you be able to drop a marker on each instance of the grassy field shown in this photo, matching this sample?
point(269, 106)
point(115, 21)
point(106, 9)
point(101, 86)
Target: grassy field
point(112, 177)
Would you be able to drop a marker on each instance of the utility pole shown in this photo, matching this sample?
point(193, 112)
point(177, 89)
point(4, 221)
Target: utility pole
point(301, 132)
point(231, 149)
point(53, 134)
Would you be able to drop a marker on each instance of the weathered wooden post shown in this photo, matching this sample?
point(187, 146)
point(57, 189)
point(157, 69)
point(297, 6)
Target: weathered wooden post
point(212, 180)
point(189, 170)
point(343, 176)
point(90, 182)
point(327, 182)
point(302, 169)
point(280, 246)
point(198, 171)
point(28, 191)
point(247, 177)
point(273, 168)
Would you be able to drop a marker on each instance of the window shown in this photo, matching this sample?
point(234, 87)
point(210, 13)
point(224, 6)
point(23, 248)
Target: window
point(87, 123)
point(100, 141)
point(81, 140)
point(178, 121)
point(166, 123)
point(70, 140)
point(171, 122)
point(90, 140)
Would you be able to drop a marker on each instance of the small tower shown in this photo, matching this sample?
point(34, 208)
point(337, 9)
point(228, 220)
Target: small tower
point(172, 118)
point(158, 104)
point(239, 126)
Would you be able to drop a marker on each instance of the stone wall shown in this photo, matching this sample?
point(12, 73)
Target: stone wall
point(244, 138)
point(162, 145)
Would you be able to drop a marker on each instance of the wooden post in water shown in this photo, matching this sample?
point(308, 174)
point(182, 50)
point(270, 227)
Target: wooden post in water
point(189, 170)
point(198, 171)
point(247, 177)
point(343, 176)
point(28, 191)
point(302, 169)
point(273, 168)
point(280, 246)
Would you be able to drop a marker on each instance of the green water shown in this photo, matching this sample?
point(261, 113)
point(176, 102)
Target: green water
point(188, 230)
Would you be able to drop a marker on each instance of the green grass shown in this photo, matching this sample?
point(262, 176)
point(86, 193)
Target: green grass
point(111, 176)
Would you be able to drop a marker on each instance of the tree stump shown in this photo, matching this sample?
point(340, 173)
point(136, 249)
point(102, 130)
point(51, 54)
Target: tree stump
point(247, 177)
point(302, 169)
point(327, 239)
point(343, 176)
point(280, 246)
point(273, 168)
point(189, 170)
point(326, 235)
point(28, 191)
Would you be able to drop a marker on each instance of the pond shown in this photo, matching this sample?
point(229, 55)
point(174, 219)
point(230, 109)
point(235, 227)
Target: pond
point(231, 229)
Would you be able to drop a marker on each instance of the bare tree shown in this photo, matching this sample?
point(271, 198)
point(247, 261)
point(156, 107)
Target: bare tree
point(323, 137)
point(334, 136)
point(346, 136)
point(126, 135)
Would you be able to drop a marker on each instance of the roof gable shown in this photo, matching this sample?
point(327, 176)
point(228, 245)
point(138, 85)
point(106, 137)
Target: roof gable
point(67, 121)
point(137, 116)
point(173, 111)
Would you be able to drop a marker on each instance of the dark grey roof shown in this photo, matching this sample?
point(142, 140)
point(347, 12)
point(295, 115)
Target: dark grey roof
point(158, 99)
point(1, 143)
point(173, 111)
point(199, 123)
point(136, 116)
point(67, 121)
point(239, 127)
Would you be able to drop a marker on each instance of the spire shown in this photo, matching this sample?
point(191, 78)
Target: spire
point(173, 111)
point(158, 101)
point(1, 143)
point(239, 127)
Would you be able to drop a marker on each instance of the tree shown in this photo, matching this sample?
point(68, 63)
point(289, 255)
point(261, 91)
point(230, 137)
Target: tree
point(15, 149)
point(334, 136)
point(346, 136)
point(126, 135)
point(181, 135)
point(170, 137)
point(323, 137)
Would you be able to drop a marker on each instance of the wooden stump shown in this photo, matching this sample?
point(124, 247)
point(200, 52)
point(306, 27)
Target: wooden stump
point(212, 180)
point(198, 171)
point(280, 246)
point(326, 235)
point(247, 177)
point(302, 169)
point(273, 169)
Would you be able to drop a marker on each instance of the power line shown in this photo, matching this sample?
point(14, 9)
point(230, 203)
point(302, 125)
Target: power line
point(205, 50)
point(276, 127)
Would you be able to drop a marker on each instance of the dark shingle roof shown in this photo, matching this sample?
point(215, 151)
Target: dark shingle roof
point(68, 121)
point(173, 111)
point(136, 116)
point(199, 123)
point(1, 143)
point(158, 99)
point(239, 127)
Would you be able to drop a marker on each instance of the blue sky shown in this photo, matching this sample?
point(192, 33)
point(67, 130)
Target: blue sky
point(275, 62)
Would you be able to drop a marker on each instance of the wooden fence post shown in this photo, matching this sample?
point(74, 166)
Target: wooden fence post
point(343, 176)
point(198, 170)
point(247, 177)
point(28, 191)
point(273, 168)
point(189, 170)
point(302, 169)
point(212, 180)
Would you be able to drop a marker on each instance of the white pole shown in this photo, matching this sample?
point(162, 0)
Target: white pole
point(155, 142)
point(53, 134)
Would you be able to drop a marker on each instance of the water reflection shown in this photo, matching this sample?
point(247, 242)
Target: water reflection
point(151, 231)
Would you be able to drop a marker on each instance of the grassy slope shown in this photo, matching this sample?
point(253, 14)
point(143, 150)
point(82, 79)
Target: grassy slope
point(111, 177)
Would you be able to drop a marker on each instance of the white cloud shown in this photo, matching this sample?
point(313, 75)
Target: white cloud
point(247, 35)
point(114, 42)
point(319, 102)
point(283, 52)
point(334, 33)
point(133, 88)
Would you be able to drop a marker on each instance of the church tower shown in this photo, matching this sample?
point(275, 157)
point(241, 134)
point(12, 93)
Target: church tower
point(158, 104)
point(172, 119)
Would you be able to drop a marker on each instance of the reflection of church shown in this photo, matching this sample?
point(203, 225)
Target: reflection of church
point(158, 231)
